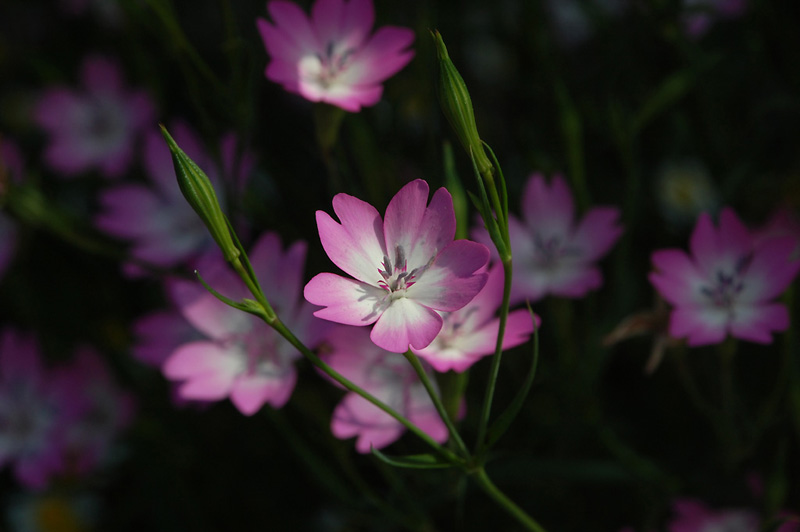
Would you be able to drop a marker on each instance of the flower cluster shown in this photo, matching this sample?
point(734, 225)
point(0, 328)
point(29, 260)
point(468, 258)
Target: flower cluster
point(60, 421)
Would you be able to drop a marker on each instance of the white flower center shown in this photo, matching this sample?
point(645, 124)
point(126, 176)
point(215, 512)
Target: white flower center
point(727, 285)
point(395, 277)
point(324, 69)
point(550, 251)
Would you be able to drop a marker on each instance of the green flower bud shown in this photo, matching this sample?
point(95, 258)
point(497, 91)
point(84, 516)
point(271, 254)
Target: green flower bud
point(457, 106)
point(197, 189)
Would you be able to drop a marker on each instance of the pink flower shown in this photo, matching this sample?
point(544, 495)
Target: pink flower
point(406, 268)
point(159, 333)
point(156, 218)
point(98, 408)
point(471, 332)
point(95, 127)
point(553, 253)
point(727, 284)
point(389, 378)
point(32, 417)
point(242, 357)
point(332, 57)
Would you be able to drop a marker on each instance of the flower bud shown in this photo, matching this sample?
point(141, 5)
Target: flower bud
point(457, 106)
point(197, 189)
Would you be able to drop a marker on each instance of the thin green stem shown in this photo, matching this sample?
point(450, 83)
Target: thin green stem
point(445, 453)
point(494, 370)
point(486, 484)
point(437, 402)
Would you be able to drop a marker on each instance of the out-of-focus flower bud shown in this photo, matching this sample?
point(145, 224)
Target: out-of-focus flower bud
point(199, 192)
point(457, 106)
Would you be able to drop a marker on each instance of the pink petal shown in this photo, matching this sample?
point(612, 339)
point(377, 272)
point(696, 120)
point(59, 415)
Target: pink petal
point(677, 280)
point(404, 216)
point(349, 98)
point(405, 323)
point(280, 275)
point(436, 231)
point(451, 281)
point(575, 281)
point(771, 270)
point(250, 392)
point(548, 210)
point(355, 416)
point(293, 23)
point(756, 323)
point(383, 56)
point(597, 232)
point(348, 301)
point(198, 359)
point(703, 326)
point(704, 244)
point(356, 245)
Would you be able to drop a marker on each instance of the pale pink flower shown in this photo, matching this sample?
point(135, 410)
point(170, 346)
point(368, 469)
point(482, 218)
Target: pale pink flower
point(158, 221)
point(406, 268)
point(332, 57)
point(242, 357)
point(694, 516)
point(95, 127)
point(32, 414)
point(727, 284)
point(553, 252)
point(389, 378)
point(471, 332)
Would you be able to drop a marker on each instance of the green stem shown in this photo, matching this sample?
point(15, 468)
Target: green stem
point(445, 453)
point(483, 480)
point(495, 367)
point(437, 402)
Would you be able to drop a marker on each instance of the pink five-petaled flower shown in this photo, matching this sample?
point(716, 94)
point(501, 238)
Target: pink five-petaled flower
point(552, 253)
point(332, 57)
point(243, 358)
point(406, 267)
point(725, 287)
point(390, 379)
point(471, 332)
point(97, 126)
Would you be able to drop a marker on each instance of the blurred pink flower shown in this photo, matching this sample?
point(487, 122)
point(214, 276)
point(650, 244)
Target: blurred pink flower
point(699, 15)
point(553, 253)
point(99, 410)
point(242, 357)
point(727, 284)
point(96, 126)
point(694, 516)
point(471, 332)
point(389, 378)
point(158, 334)
point(155, 217)
point(331, 56)
point(406, 268)
point(32, 413)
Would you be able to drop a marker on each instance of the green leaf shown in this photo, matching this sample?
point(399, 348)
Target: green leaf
point(500, 426)
point(412, 461)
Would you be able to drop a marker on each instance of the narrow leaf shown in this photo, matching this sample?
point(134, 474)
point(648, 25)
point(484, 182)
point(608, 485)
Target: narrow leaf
point(412, 461)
